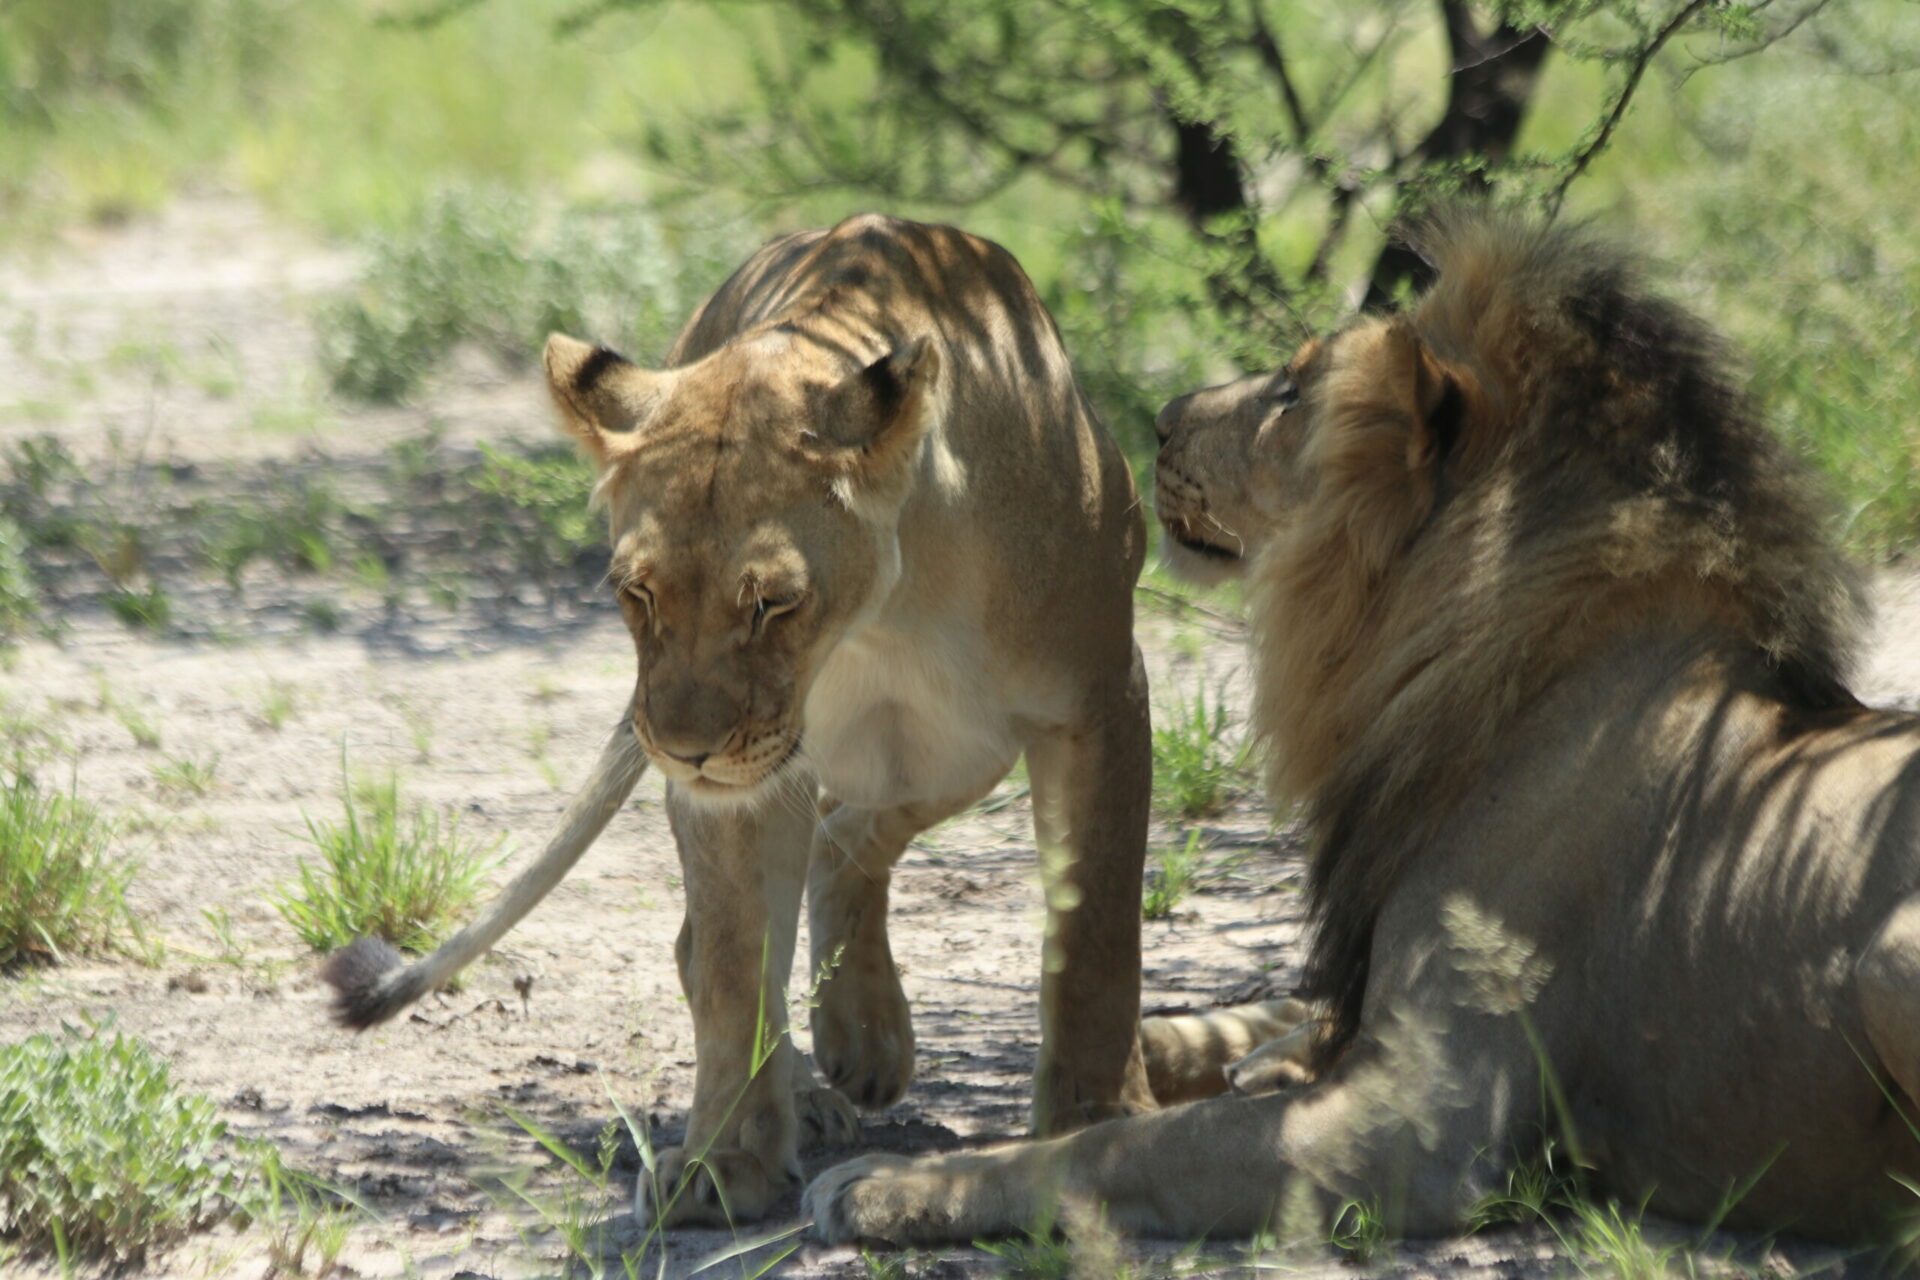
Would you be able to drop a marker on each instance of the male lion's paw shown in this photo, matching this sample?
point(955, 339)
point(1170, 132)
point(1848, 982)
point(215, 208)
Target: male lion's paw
point(863, 1035)
point(826, 1118)
point(902, 1200)
point(870, 1198)
point(719, 1189)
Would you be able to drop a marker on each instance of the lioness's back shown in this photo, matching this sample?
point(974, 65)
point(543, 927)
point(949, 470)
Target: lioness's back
point(1018, 473)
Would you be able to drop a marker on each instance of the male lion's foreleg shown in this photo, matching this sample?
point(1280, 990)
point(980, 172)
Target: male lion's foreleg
point(1887, 978)
point(862, 1028)
point(1091, 784)
point(1195, 1055)
point(743, 872)
point(1375, 1132)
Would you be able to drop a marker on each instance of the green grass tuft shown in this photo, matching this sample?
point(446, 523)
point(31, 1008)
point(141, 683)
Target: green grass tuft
point(1359, 1230)
point(1196, 770)
point(60, 890)
point(1175, 873)
point(101, 1157)
point(1042, 1254)
point(383, 869)
point(147, 609)
point(184, 776)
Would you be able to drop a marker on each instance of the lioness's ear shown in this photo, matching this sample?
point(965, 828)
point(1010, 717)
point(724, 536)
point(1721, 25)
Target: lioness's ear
point(1435, 395)
point(603, 396)
point(873, 422)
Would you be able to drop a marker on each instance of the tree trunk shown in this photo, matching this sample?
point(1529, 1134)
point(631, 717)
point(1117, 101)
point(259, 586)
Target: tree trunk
point(1494, 77)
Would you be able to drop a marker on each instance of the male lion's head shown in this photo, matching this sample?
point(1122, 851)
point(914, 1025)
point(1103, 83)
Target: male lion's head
point(1242, 461)
point(1203, 489)
point(753, 499)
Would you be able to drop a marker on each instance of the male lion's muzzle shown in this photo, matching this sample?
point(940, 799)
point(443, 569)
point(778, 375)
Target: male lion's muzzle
point(1180, 499)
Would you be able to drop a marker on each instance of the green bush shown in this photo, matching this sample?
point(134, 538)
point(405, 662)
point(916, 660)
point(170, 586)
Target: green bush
point(19, 597)
point(484, 268)
point(383, 869)
point(549, 526)
point(297, 526)
point(101, 1156)
point(60, 890)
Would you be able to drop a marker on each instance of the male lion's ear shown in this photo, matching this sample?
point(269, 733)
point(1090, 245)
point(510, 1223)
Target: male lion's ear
point(874, 420)
point(603, 396)
point(1435, 395)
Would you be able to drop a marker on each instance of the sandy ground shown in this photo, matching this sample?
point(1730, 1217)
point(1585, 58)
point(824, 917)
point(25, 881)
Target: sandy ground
point(490, 707)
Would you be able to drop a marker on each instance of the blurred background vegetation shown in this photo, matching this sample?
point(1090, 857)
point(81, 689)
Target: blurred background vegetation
point(1192, 183)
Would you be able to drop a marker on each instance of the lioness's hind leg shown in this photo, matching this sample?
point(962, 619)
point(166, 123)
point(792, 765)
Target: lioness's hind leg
point(862, 1028)
point(1190, 1055)
point(1888, 981)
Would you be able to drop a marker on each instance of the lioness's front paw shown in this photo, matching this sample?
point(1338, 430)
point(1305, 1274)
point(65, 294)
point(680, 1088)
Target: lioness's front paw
point(863, 1035)
point(718, 1189)
point(826, 1118)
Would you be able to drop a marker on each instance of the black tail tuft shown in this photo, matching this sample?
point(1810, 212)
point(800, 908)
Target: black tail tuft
point(354, 973)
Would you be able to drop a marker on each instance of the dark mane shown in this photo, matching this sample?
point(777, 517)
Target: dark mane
point(1617, 455)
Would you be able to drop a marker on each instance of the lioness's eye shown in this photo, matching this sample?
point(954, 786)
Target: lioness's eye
point(765, 609)
point(1285, 396)
point(638, 593)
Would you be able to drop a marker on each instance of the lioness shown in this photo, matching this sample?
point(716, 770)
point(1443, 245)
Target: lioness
point(872, 544)
point(1549, 642)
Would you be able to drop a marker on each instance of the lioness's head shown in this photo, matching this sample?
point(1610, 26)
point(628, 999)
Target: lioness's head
point(753, 501)
point(1239, 462)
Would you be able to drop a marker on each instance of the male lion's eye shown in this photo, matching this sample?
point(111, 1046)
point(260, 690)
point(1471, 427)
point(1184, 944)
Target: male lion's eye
point(1285, 396)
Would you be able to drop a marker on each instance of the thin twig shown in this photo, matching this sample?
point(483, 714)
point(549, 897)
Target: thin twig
point(1228, 624)
point(1504, 50)
point(1640, 64)
point(1799, 20)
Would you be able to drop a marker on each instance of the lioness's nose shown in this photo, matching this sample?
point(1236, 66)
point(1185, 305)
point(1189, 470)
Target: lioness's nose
point(690, 721)
point(1168, 418)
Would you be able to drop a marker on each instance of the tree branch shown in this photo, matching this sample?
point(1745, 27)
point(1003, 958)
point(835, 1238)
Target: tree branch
point(1641, 61)
point(1269, 50)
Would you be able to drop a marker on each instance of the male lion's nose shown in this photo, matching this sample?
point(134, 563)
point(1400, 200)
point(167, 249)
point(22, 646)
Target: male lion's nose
point(1168, 418)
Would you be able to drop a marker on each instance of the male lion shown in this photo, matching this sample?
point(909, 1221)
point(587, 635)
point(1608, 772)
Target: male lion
point(1549, 643)
point(872, 544)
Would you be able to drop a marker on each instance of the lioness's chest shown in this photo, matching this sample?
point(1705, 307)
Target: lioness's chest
point(896, 718)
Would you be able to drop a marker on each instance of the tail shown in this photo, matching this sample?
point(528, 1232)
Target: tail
point(371, 982)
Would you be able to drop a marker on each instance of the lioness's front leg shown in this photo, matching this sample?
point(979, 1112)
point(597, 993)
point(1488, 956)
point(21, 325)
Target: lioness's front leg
point(1398, 1131)
point(862, 1029)
point(1091, 784)
point(743, 870)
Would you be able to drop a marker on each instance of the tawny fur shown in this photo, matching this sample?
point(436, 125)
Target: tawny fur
point(1607, 862)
